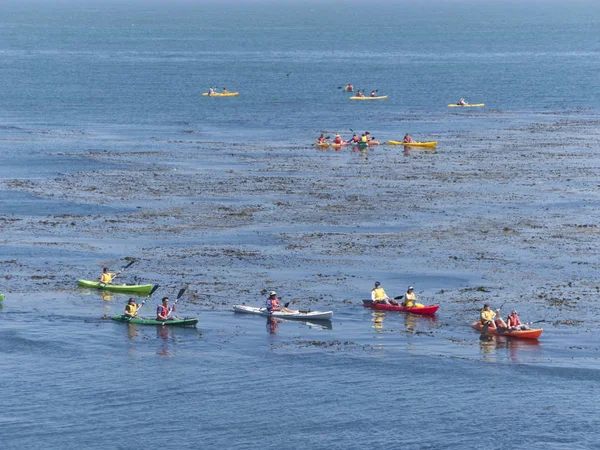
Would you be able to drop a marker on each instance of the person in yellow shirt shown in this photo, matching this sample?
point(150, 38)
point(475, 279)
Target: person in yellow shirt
point(487, 316)
point(379, 295)
point(131, 308)
point(106, 277)
point(410, 299)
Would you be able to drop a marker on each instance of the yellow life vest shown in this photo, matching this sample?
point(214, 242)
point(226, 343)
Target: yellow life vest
point(131, 309)
point(106, 278)
point(363, 139)
point(487, 315)
point(409, 299)
point(379, 294)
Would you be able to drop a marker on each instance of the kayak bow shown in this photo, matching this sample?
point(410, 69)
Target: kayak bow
point(424, 310)
point(142, 289)
point(305, 315)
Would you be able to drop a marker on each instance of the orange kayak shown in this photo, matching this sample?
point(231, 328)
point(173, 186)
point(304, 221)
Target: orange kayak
point(334, 145)
point(534, 333)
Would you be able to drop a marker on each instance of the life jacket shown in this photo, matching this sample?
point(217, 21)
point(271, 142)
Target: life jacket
point(130, 309)
point(106, 278)
point(409, 299)
point(321, 139)
point(487, 315)
point(513, 321)
point(372, 94)
point(379, 294)
point(355, 138)
point(162, 310)
point(364, 139)
point(272, 304)
point(407, 139)
point(338, 140)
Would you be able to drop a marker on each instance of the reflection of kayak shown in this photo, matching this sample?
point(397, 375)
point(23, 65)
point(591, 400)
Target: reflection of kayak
point(523, 334)
point(306, 315)
point(185, 322)
point(413, 144)
point(220, 94)
point(454, 105)
point(381, 97)
point(127, 288)
point(425, 310)
point(322, 144)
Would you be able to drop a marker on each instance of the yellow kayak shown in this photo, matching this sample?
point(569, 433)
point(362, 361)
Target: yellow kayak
point(217, 94)
point(322, 144)
point(381, 97)
point(470, 105)
point(414, 144)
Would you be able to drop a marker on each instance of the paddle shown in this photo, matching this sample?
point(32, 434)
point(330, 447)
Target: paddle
point(179, 295)
point(144, 301)
point(129, 264)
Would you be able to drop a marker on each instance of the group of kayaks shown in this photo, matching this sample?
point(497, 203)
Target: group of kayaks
point(308, 315)
point(430, 144)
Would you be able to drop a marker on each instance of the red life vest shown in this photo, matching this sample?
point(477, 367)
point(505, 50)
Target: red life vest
point(372, 94)
point(513, 321)
point(355, 139)
point(162, 310)
point(407, 139)
point(338, 140)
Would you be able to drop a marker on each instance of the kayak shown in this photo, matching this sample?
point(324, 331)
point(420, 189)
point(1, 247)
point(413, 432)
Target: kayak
point(322, 144)
point(366, 144)
point(304, 315)
point(334, 145)
point(423, 310)
point(381, 97)
point(534, 333)
point(413, 144)
point(185, 322)
point(143, 289)
point(471, 105)
point(220, 94)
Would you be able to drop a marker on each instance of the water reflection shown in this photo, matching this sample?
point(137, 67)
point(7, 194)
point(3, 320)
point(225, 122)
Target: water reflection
point(517, 350)
point(377, 318)
point(273, 324)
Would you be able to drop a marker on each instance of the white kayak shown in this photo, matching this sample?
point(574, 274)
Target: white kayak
point(291, 314)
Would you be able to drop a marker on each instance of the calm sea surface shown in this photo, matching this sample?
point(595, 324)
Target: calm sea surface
point(80, 77)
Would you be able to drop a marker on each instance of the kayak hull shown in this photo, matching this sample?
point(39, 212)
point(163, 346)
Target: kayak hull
point(381, 97)
point(322, 144)
point(296, 315)
point(142, 289)
point(474, 105)
point(424, 311)
point(365, 144)
point(186, 322)
point(534, 333)
point(334, 145)
point(229, 94)
point(414, 144)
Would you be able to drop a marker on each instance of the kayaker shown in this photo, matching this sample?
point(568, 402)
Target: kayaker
point(368, 135)
point(211, 91)
point(359, 94)
point(372, 93)
point(131, 308)
point(338, 138)
point(163, 311)
point(410, 299)
point(272, 302)
point(514, 323)
point(225, 91)
point(462, 102)
point(487, 316)
point(321, 139)
point(378, 294)
point(355, 138)
point(407, 138)
point(106, 276)
point(349, 88)
point(364, 139)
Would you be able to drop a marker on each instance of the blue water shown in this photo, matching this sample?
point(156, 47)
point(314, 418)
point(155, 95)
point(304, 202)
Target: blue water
point(80, 78)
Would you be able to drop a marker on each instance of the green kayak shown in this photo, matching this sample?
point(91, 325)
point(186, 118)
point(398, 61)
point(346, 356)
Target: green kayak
point(143, 289)
point(185, 322)
point(1, 297)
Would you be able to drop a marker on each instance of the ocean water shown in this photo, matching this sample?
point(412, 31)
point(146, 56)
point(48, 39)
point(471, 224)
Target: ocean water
point(85, 85)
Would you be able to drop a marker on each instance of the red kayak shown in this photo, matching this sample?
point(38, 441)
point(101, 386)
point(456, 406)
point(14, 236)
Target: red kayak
point(424, 310)
point(534, 333)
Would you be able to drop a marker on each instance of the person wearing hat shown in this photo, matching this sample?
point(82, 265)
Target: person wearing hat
point(338, 139)
point(131, 308)
point(514, 323)
point(378, 294)
point(410, 299)
point(163, 311)
point(272, 302)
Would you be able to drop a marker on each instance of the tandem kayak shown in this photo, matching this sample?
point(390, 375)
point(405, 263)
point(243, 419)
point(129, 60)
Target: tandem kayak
point(185, 322)
point(217, 94)
point(423, 310)
point(381, 97)
point(414, 144)
point(304, 315)
point(143, 289)
point(472, 105)
point(322, 144)
point(534, 333)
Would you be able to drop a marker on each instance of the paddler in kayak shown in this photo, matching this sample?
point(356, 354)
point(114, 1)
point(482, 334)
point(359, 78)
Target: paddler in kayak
point(514, 323)
point(338, 139)
point(410, 299)
point(272, 303)
point(131, 308)
point(355, 139)
point(225, 91)
point(364, 139)
point(163, 311)
point(462, 102)
point(407, 138)
point(211, 91)
point(321, 139)
point(373, 93)
point(487, 316)
point(349, 88)
point(378, 295)
point(106, 276)
point(359, 94)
